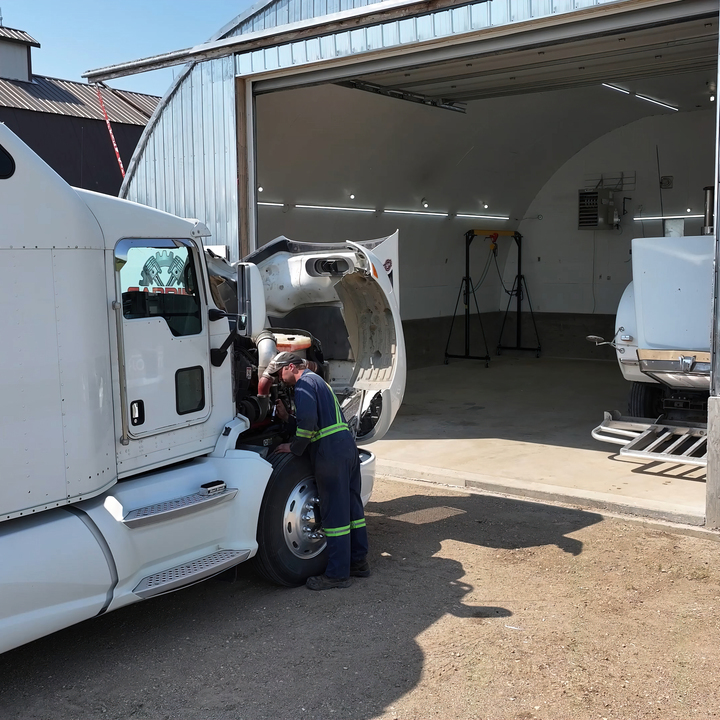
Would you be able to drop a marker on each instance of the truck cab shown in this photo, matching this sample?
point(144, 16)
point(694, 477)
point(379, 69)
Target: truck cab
point(138, 447)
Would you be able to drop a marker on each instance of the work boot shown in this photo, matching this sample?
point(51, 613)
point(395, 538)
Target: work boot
point(360, 569)
point(323, 582)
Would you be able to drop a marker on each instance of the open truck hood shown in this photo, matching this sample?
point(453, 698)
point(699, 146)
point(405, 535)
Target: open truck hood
point(346, 295)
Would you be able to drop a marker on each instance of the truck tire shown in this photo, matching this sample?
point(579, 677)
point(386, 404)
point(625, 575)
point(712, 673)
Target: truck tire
point(289, 549)
point(645, 400)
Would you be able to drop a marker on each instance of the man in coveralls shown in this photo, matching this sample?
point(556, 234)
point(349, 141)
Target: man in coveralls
point(334, 457)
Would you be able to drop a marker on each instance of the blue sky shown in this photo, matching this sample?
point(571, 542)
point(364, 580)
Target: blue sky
point(80, 35)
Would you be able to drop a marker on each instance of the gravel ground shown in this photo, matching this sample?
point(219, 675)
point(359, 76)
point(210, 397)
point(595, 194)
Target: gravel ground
point(478, 607)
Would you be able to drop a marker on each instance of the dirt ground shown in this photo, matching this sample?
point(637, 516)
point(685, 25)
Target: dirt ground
point(478, 607)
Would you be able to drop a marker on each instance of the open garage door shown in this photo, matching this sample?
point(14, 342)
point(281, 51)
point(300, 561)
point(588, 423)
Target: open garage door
point(505, 137)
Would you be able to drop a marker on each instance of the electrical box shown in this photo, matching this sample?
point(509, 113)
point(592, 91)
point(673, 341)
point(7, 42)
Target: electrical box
point(596, 210)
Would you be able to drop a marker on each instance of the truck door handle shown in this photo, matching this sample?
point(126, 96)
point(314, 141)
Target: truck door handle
point(137, 412)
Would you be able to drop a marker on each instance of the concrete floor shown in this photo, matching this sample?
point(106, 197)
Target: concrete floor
point(522, 427)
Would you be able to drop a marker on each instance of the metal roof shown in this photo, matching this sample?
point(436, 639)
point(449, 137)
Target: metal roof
point(64, 97)
point(19, 36)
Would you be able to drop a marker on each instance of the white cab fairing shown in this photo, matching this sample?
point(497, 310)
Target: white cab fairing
point(665, 314)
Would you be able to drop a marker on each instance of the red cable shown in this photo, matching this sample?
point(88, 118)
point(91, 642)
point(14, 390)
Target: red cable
point(112, 137)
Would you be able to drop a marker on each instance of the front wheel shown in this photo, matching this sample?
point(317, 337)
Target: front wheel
point(291, 546)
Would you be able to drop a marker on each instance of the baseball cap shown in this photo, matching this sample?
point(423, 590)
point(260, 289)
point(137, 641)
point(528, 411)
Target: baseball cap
point(281, 360)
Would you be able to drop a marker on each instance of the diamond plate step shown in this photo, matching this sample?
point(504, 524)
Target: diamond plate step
point(171, 509)
point(189, 573)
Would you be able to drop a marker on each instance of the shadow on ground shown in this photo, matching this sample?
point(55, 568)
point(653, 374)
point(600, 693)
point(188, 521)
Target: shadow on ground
point(250, 650)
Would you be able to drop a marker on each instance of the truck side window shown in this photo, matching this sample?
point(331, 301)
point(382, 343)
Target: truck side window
point(159, 279)
point(7, 164)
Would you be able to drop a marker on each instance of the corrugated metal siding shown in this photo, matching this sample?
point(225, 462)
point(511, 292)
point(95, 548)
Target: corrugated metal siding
point(395, 34)
point(63, 97)
point(188, 163)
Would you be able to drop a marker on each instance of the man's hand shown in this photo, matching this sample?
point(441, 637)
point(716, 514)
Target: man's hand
point(281, 411)
point(284, 448)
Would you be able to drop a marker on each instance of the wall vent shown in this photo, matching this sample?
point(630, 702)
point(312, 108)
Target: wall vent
point(596, 210)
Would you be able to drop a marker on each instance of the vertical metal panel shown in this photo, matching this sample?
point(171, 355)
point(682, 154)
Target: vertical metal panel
point(480, 15)
point(312, 49)
point(300, 52)
point(408, 33)
point(541, 8)
point(443, 23)
point(358, 41)
point(375, 37)
point(327, 47)
point(391, 34)
point(342, 44)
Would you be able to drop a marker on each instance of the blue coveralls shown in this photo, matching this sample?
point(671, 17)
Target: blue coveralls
point(336, 465)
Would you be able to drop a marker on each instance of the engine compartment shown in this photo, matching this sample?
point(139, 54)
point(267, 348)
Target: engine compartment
point(318, 332)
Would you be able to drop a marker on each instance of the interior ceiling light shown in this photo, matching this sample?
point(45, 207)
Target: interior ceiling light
point(424, 203)
point(619, 89)
point(352, 197)
point(484, 217)
point(415, 212)
point(271, 204)
point(333, 207)
point(712, 98)
point(666, 217)
point(656, 102)
point(641, 97)
point(260, 189)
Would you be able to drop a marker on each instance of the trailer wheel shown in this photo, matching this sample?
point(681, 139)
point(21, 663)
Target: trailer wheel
point(645, 400)
point(290, 545)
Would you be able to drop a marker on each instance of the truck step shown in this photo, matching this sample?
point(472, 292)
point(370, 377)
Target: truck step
point(189, 573)
point(171, 509)
point(657, 441)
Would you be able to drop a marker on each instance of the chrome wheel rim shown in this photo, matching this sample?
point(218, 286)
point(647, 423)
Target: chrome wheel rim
point(301, 528)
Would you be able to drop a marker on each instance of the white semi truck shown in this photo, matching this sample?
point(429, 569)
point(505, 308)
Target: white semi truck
point(662, 341)
point(138, 430)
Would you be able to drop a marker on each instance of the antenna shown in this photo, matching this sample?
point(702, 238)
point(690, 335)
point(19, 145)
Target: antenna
point(1, 22)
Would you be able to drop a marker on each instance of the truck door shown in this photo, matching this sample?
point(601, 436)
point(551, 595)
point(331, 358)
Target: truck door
point(163, 337)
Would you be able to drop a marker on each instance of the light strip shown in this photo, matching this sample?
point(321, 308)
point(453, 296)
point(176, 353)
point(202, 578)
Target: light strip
point(656, 102)
point(389, 212)
point(484, 217)
point(666, 217)
point(332, 207)
point(619, 89)
point(415, 212)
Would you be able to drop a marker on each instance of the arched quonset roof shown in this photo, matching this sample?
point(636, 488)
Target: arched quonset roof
point(186, 160)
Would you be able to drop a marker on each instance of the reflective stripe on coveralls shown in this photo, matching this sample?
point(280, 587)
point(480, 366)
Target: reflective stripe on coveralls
point(314, 435)
point(337, 532)
point(321, 429)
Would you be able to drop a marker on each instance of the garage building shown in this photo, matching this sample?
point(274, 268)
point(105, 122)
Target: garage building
point(568, 127)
